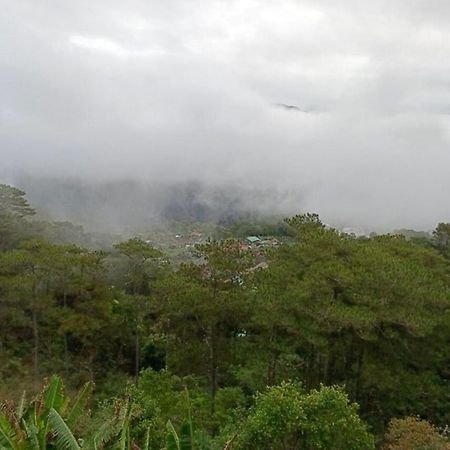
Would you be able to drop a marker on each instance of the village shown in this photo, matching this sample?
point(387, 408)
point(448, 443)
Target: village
point(180, 239)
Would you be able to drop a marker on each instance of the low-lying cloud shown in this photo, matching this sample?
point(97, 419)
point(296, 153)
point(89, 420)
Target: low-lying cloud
point(169, 92)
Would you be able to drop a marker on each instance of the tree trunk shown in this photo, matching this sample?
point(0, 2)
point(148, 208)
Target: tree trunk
point(137, 355)
point(358, 374)
point(137, 343)
point(272, 366)
point(34, 321)
point(66, 346)
point(35, 344)
point(166, 356)
point(213, 368)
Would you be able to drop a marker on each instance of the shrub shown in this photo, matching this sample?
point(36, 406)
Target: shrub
point(285, 417)
point(412, 433)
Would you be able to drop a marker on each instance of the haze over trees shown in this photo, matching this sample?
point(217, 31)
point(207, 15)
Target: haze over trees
point(311, 339)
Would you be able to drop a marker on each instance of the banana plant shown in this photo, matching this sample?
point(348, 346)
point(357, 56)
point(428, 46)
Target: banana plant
point(184, 440)
point(181, 441)
point(114, 432)
point(46, 423)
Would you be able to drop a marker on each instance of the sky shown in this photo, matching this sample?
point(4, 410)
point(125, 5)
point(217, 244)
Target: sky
point(191, 90)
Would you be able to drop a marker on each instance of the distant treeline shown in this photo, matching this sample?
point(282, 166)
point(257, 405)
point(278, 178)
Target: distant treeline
point(128, 206)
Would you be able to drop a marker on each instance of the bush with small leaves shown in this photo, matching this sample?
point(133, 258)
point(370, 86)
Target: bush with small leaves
point(412, 433)
point(285, 417)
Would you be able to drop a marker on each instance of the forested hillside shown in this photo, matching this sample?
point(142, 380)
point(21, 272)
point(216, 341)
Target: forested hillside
point(304, 338)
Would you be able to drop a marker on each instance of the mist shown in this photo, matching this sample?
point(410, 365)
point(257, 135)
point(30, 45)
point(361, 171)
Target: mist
point(113, 111)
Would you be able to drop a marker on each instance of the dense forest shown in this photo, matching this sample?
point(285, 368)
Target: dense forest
point(302, 337)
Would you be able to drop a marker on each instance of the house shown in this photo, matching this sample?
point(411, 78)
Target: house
point(269, 242)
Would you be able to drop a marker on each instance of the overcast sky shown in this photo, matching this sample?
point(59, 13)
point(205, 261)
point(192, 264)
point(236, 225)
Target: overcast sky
point(176, 90)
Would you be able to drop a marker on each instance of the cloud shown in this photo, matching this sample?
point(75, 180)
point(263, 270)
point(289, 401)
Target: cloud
point(109, 47)
point(176, 91)
point(99, 44)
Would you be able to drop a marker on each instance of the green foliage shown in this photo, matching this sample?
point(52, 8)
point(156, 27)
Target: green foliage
point(412, 433)
point(144, 261)
point(326, 308)
point(285, 417)
point(182, 441)
point(14, 209)
point(441, 238)
point(141, 413)
point(276, 420)
point(64, 439)
point(12, 200)
point(260, 227)
point(52, 295)
point(113, 432)
point(141, 257)
point(43, 423)
point(333, 422)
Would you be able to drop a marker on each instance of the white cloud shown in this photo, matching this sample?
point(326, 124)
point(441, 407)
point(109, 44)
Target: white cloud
point(176, 90)
point(99, 44)
point(110, 47)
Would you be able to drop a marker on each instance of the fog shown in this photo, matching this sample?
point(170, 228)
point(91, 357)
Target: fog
point(162, 95)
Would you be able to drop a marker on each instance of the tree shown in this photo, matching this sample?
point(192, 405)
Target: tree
point(339, 310)
point(285, 417)
point(143, 260)
point(49, 292)
point(13, 201)
point(24, 284)
point(14, 208)
point(441, 238)
point(82, 307)
point(412, 433)
point(211, 301)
